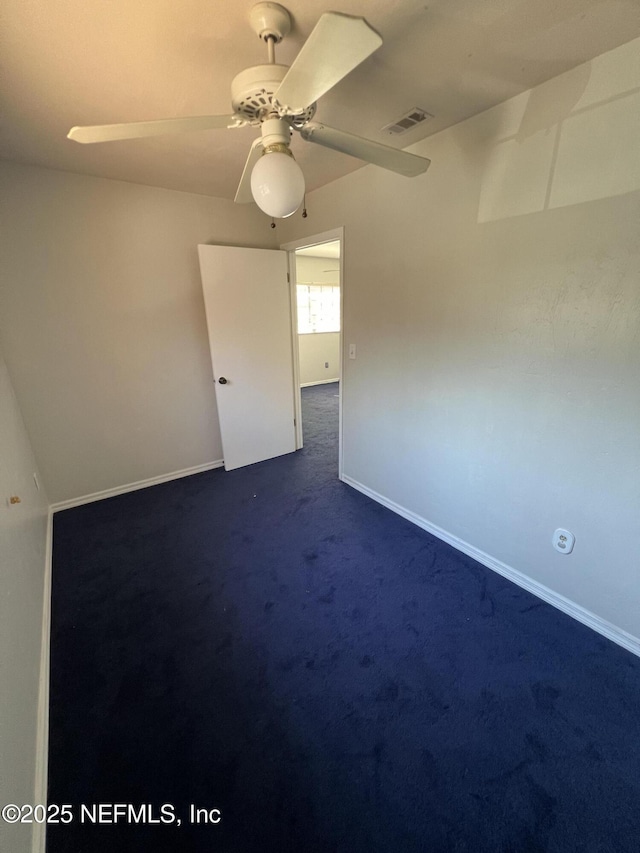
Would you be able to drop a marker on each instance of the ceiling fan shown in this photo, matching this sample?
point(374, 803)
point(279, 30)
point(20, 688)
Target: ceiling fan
point(281, 99)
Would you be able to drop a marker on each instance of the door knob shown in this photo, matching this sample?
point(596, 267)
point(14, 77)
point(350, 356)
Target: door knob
point(222, 380)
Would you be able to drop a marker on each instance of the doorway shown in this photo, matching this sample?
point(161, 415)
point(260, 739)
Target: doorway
point(317, 298)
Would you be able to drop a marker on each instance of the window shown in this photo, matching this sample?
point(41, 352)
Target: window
point(318, 308)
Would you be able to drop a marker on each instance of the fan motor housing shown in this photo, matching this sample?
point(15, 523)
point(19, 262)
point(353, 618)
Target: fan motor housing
point(252, 92)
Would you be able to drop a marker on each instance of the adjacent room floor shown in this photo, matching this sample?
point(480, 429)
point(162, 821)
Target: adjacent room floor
point(271, 644)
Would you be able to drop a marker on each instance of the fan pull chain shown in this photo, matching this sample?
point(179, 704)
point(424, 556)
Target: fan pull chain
point(273, 222)
point(304, 206)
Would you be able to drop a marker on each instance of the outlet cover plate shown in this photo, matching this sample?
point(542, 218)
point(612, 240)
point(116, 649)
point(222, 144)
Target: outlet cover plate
point(563, 541)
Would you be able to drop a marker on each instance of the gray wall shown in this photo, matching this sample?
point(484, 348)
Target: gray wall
point(495, 306)
point(23, 535)
point(315, 351)
point(102, 317)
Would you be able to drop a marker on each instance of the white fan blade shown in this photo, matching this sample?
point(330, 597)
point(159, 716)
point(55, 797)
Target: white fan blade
point(243, 194)
point(162, 127)
point(393, 159)
point(337, 44)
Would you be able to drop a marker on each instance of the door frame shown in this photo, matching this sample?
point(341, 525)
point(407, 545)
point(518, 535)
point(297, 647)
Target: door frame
point(290, 248)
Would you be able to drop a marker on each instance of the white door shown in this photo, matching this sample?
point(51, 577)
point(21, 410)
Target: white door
point(246, 297)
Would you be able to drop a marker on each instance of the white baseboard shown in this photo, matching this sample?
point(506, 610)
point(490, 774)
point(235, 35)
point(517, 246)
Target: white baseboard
point(319, 382)
point(133, 487)
point(611, 632)
point(38, 839)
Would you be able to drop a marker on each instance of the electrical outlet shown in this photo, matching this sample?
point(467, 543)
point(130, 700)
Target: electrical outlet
point(563, 541)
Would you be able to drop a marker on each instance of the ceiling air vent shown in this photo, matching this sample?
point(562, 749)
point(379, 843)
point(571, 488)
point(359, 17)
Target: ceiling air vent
point(408, 121)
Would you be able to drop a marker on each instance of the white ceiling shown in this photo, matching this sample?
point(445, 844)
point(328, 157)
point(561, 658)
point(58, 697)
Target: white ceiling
point(321, 250)
point(68, 62)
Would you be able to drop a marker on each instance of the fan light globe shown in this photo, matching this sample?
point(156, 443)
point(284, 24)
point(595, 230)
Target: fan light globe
point(277, 184)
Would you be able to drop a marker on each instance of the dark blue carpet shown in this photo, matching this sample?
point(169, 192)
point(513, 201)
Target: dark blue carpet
point(271, 643)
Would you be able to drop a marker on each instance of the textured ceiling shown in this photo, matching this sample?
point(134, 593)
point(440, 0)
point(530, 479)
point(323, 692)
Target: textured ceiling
point(68, 62)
